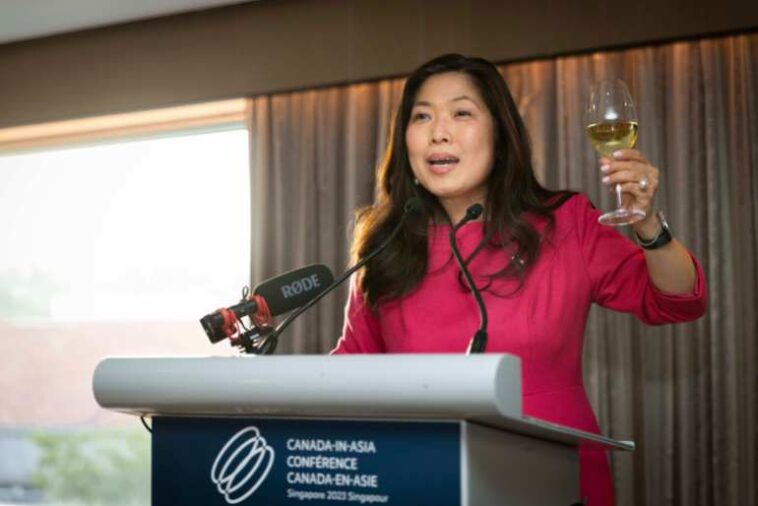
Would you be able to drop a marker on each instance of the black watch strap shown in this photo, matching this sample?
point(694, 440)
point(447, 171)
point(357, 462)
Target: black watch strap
point(664, 236)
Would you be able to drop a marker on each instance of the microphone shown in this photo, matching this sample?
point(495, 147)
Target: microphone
point(412, 205)
point(479, 342)
point(291, 290)
point(275, 296)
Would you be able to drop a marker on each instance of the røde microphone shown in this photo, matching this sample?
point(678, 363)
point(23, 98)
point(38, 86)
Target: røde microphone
point(281, 294)
point(479, 341)
point(291, 290)
point(413, 205)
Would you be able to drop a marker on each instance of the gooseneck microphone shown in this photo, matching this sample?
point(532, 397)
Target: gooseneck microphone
point(479, 341)
point(413, 205)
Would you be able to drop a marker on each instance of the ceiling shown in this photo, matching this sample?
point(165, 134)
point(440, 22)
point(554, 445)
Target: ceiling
point(29, 19)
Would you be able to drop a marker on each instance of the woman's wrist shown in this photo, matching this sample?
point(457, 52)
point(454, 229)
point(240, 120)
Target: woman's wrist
point(649, 228)
point(661, 238)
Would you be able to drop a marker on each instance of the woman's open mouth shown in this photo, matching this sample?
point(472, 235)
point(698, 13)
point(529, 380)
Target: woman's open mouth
point(442, 163)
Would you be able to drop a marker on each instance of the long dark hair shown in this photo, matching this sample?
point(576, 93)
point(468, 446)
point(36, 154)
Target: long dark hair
point(512, 191)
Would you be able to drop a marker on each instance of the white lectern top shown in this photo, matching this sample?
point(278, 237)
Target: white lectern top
point(485, 389)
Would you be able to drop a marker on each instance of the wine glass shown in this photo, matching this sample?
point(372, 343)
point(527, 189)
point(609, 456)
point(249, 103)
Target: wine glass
point(612, 125)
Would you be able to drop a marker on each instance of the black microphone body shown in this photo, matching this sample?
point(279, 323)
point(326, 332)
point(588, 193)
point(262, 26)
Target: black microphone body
point(293, 289)
point(479, 341)
point(411, 206)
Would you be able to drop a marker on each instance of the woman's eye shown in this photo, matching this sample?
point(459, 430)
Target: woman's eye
point(419, 116)
point(463, 114)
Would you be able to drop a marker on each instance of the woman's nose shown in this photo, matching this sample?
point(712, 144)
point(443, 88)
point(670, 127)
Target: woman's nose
point(440, 132)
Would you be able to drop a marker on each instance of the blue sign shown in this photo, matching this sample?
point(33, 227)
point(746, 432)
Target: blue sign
point(277, 462)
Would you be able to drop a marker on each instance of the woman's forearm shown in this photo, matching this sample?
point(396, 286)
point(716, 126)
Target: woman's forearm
point(670, 267)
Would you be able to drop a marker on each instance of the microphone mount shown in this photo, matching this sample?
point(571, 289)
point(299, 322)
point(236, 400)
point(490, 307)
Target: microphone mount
point(249, 325)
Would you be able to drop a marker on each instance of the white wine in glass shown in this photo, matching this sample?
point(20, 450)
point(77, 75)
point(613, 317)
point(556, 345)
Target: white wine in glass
point(612, 125)
point(613, 135)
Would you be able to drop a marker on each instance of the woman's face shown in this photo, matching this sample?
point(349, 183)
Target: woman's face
point(450, 141)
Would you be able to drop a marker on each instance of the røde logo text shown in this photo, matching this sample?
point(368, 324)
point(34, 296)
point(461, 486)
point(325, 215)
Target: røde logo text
point(300, 286)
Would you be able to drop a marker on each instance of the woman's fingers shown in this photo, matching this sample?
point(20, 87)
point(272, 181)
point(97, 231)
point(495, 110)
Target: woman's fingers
point(637, 177)
point(642, 197)
point(628, 154)
point(633, 175)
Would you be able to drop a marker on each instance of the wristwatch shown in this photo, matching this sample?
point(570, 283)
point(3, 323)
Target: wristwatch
point(664, 236)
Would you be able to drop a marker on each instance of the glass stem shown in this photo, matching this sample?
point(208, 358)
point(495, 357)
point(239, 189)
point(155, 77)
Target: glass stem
point(618, 196)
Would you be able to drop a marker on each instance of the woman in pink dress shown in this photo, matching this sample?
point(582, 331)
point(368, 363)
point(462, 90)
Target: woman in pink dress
point(540, 257)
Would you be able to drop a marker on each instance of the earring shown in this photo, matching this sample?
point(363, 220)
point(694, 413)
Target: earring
point(415, 181)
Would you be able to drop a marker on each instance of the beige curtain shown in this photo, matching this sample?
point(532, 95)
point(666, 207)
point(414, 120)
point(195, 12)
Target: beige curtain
point(312, 156)
point(687, 394)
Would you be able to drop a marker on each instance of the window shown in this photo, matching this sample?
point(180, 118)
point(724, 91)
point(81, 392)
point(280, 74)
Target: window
point(108, 249)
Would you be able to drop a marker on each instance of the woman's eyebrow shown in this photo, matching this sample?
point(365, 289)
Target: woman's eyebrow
point(463, 97)
point(425, 103)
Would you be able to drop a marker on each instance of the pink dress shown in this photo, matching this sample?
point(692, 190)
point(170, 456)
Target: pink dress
point(543, 323)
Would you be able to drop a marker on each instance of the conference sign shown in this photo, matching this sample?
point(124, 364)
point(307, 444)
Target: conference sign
point(273, 462)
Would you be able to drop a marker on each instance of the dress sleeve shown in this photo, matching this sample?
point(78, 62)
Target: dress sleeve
point(361, 332)
point(619, 277)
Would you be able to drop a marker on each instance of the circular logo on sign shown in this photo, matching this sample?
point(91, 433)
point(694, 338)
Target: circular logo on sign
point(242, 465)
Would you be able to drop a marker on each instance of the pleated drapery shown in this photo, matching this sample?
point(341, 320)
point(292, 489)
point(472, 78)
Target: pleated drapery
point(312, 158)
point(687, 394)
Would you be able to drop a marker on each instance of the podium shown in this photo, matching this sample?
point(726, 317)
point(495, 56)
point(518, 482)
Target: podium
point(443, 430)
